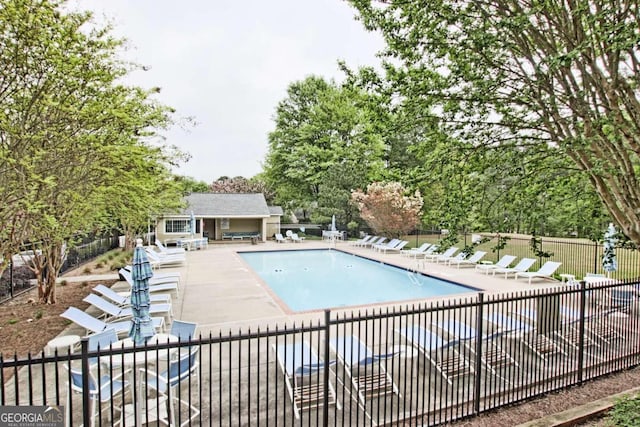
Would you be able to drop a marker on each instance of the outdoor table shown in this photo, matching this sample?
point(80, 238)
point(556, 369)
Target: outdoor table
point(65, 341)
point(136, 360)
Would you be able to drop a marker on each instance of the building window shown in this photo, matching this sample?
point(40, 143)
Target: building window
point(177, 226)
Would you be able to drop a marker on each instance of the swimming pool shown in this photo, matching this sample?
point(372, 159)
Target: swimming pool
point(318, 279)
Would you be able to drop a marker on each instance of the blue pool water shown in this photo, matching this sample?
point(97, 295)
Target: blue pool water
point(318, 279)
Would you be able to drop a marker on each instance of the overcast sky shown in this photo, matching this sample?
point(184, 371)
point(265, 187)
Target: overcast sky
point(228, 64)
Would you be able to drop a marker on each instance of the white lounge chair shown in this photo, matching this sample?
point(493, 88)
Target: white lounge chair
point(472, 260)
point(113, 311)
point(414, 253)
point(280, 238)
point(169, 251)
point(522, 266)
point(390, 244)
point(93, 325)
point(122, 300)
point(545, 272)
point(446, 254)
point(301, 366)
point(363, 240)
point(295, 238)
point(157, 260)
point(365, 369)
point(395, 249)
point(503, 262)
point(433, 347)
point(155, 287)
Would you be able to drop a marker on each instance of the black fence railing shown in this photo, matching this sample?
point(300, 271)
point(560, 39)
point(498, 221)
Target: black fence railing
point(578, 256)
point(18, 277)
point(419, 365)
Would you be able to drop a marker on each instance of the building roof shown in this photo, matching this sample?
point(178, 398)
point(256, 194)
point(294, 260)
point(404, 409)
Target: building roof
point(276, 210)
point(226, 205)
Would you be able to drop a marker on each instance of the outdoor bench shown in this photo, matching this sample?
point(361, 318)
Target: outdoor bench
point(240, 235)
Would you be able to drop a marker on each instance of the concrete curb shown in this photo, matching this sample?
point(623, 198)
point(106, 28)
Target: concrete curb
point(579, 414)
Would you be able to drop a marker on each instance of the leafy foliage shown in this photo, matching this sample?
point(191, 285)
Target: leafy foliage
point(387, 210)
point(626, 412)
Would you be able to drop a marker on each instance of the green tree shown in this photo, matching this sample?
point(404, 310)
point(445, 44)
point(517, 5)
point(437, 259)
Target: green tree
point(320, 125)
point(557, 75)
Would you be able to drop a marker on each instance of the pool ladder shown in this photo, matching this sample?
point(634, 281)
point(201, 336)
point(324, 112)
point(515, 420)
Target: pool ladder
point(413, 278)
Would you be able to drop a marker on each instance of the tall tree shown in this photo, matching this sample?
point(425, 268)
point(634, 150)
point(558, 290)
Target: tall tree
point(559, 74)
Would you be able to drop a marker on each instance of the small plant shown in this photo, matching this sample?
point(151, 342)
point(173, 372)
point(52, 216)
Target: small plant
point(84, 284)
point(38, 315)
point(87, 270)
point(626, 412)
point(13, 321)
point(99, 265)
point(64, 283)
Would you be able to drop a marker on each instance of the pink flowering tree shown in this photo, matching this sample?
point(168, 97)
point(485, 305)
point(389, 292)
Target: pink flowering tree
point(387, 209)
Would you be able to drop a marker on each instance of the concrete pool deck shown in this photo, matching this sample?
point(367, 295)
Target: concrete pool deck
point(221, 293)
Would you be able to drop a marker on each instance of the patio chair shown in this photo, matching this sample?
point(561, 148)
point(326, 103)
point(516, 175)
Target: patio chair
point(446, 254)
point(395, 249)
point(447, 258)
point(101, 392)
point(472, 260)
point(168, 385)
point(365, 369)
point(93, 325)
point(295, 238)
point(155, 287)
point(390, 244)
point(154, 280)
point(156, 260)
point(545, 272)
point(112, 311)
point(539, 344)
point(185, 331)
point(503, 262)
point(414, 253)
point(522, 266)
point(164, 250)
point(280, 238)
point(373, 241)
point(173, 276)
point(302, 372)
point(493, 356)
point(102, 341)
point(121, 300)
point(567, 330)
point(363, 240)
point(432, 347)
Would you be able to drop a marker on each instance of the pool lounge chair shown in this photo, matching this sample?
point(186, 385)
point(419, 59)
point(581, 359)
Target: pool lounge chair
point(295, 238)
point(122, 300)
point(173, 276)
point(280, 238)
point(539, 344)
point(415, 252)
point(112, 311)
point(567, 330)
point(390, 244)
point(302, 372)
point(365, 239)
point(365, 369)
point(446, 254)
point(372, 242)
point(522, 266)
point(433, 347)
point(503, 262)
point(545, 272)
point(93, 325)
point(395, 249)
point(159, 287)
point(169, 251)
point(154, 280)
point(446, 258)
point(493, 356)
point(472, 260)
point(156, 260)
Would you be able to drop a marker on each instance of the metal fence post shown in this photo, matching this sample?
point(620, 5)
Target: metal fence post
point(11, 278)
point(325, 406)
point(583, 302)
point(479, 334)
point(86, 398)
point(595, 257)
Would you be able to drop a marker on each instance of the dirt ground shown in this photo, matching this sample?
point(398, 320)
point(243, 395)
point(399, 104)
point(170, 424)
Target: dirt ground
point(26, 326)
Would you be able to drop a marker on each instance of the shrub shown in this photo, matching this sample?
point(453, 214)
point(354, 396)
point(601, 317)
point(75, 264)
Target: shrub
point(626, 412)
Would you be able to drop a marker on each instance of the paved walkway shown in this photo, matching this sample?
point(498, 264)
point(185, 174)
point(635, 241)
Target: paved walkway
point(221, 293)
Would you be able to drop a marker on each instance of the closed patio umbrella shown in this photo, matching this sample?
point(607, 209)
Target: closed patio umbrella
point(141, 323)
point(333, 223)
point(609, 261)
point(193, 224)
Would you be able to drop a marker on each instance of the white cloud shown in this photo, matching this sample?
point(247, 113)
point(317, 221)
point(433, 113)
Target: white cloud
point(228, 64)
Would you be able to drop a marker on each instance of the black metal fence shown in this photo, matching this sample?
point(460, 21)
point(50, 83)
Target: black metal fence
point(418, 365)
point(18, 277)
point(578, 256)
